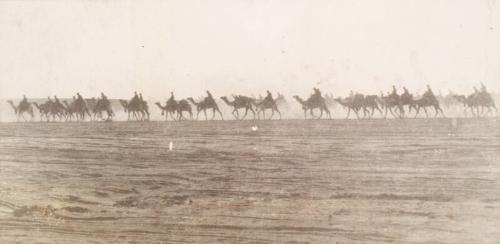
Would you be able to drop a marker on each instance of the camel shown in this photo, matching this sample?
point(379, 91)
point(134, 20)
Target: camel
point(70, 110)
point(468, 102)
point(166, 110)
point(240, 102)
point(311, 104)
point(371, 102)
point(267, 103)
point(82, 107)
point(205, 105)
point(428, 101)
point(389, 102)
point(406, 99)
point(139, 109)
point(476, 101)
point(184, 106)
point(103, 106)
point(43, 110)
point(172, 106)
point(23, 107)
point(354, 104)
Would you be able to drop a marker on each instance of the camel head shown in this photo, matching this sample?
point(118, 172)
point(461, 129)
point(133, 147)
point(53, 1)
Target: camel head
point(124, 104)
point(192, 100)
point(300, 100)
point(13, 106)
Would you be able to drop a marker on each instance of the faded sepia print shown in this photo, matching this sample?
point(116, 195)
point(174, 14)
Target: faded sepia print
point(249, 121)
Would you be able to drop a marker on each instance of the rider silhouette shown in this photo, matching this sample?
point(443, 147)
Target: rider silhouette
point(429, 92)
point(483, 88)
point(209, 97)
point(394, 91)
point(24, 101)
point(269, 96)
point(317, 94)
point(406, 92)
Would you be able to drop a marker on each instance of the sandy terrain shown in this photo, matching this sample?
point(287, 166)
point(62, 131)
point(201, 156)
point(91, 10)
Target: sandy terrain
point(291, 181)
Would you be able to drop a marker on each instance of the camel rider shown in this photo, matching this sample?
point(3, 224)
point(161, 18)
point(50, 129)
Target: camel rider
point(104, 99)
point(406, 92)
point(49, 100)
point(483, 89)
point(57, 102)
point(140, 97)
point(209, 97)
point(79, 100)
point(269, 94)
point(394, 91)
point(351, 95)
point(316, 96)
point(24, 102)
point(429, 93)
point(135, 98)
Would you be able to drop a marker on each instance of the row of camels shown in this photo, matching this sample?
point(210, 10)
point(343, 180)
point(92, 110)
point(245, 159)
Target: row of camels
point(54, 110)
point(479, 103)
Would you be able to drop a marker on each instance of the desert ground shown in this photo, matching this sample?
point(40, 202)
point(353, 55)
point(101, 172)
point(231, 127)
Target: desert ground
point(289, 181)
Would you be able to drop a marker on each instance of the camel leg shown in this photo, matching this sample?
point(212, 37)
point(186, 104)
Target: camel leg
point(205, 112)
point(198, 114)
point(246, 112)
point(320, 113)
point(417, 110)
point(366, 111)
point(327, 112)
point(305, 113)
point(220, 113)
point(425, 110)
point(253, 112)
point(233, 113)
point(238, 114)
point(213, 113)
point(277, 110)
point(442, 112)
point(356, 112)
point(393, 113)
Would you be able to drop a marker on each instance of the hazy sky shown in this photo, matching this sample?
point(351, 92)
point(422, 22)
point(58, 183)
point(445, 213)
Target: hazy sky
point(245, 46)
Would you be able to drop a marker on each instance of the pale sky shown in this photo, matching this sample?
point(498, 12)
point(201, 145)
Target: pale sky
point(246, 46)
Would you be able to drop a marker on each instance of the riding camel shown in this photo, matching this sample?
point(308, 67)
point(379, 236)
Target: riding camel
point(43, 110)
point(477, 101)
point(390, 102)
point(139, 108)
point(172, 106)
point(311, 104)
point(206, 104)
point(428, 101)
point(240, 102)
point(268, 103)
point(103, 105)
point(23, 107)
point(354, 104)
